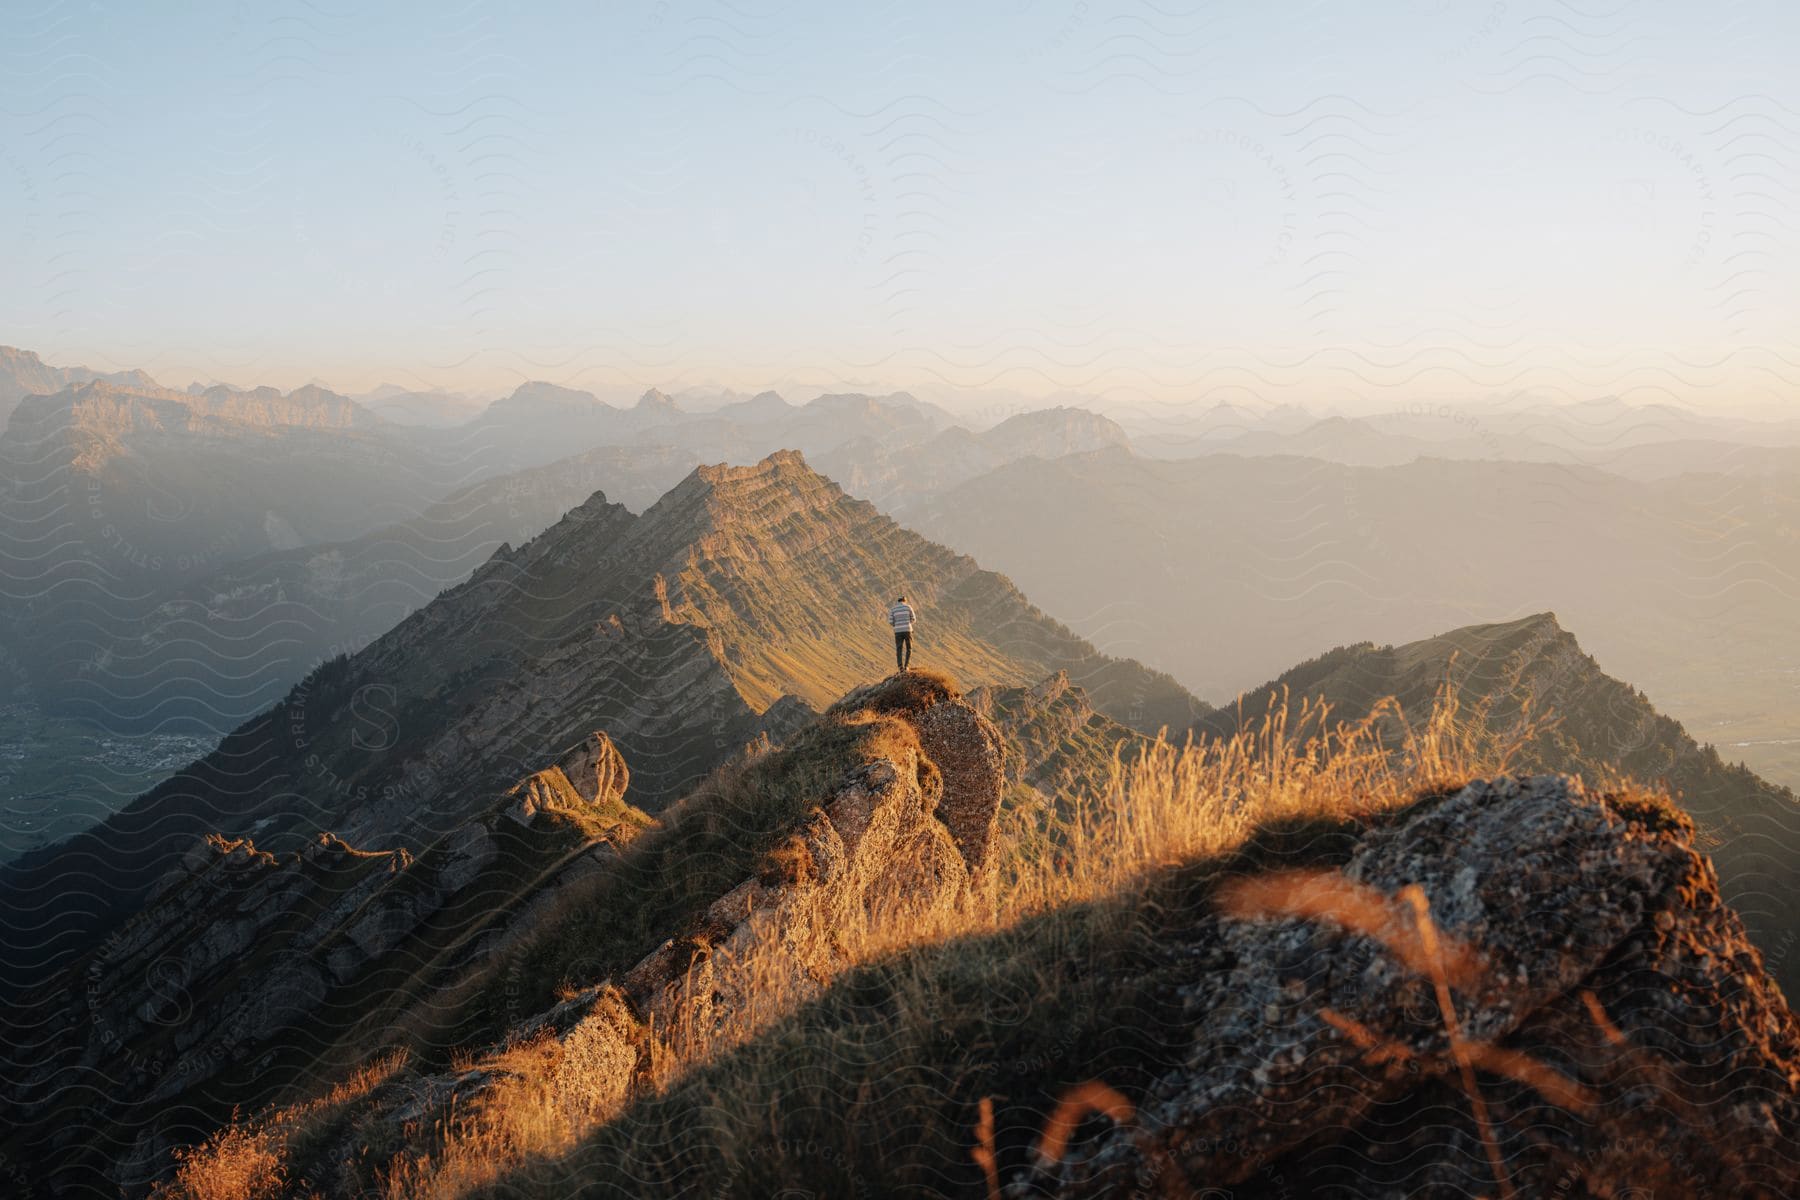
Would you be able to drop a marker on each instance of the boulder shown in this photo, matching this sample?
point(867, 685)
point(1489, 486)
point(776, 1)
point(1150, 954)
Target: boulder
point(596, 769)
point(1620, 1026)
point(969, 754)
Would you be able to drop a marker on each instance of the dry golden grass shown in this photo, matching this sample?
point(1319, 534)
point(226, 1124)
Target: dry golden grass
point(1170, 804)
point(237, 1163)
point(249, 1161)
point(1164, 805)
point(522, 1115)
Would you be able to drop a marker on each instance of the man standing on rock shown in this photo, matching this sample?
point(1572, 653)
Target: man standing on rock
point(900, 616)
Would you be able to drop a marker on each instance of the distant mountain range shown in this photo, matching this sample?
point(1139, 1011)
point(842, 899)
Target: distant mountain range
point(224, 646)
point(177, 554)
point(413, 406)
point(1603, 432)
point(114, 498)
point(177, 559)
point(897, 473)
point(23, 373)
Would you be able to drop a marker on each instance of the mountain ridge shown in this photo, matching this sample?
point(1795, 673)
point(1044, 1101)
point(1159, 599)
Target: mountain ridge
point(672, 630)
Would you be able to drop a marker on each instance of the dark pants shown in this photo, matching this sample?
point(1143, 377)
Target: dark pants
point(902, 648)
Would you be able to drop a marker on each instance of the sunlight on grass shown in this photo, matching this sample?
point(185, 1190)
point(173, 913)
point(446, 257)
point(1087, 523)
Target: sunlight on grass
point(1162, 805)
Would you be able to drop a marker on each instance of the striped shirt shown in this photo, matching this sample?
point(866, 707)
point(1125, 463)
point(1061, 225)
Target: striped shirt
point(900, 616)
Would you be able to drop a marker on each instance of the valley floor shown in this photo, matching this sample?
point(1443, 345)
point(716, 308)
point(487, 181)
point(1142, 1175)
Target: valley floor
point(59, 775)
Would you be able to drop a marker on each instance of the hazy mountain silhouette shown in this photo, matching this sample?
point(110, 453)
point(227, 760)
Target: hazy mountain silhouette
point(413, 406)
point(23, 373)
point(1223, 569)
point(896, 473)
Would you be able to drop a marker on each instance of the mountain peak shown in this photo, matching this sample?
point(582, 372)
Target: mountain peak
point(657, 400)
point(788, 464)
point(764, 406)
point(769, 496)
point(316, 394)
point(541, 394)
point(1054, 432)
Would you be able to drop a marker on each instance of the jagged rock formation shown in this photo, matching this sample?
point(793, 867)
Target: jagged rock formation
point(897, 844)
point(1689, 1055)
point(23, 373)
point(241, 959)
point(966, 750)
point(1065, 746)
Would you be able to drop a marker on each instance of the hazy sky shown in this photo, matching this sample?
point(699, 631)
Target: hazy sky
point(1338, 203)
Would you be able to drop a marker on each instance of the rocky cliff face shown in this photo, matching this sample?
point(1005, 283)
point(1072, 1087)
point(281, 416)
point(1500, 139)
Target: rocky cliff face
point(243, 964)
point(1620, 1027)
point(23, 373)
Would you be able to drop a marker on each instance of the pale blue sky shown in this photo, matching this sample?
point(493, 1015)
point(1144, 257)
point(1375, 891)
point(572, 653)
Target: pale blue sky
point(1340, 204)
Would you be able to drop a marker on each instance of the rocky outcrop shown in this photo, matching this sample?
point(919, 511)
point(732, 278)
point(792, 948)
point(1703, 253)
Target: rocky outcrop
point(1065, 746)
point(591, 773)
point(969, 756)
point(1621, 1028)
point(596, 769)
point(902, 842)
